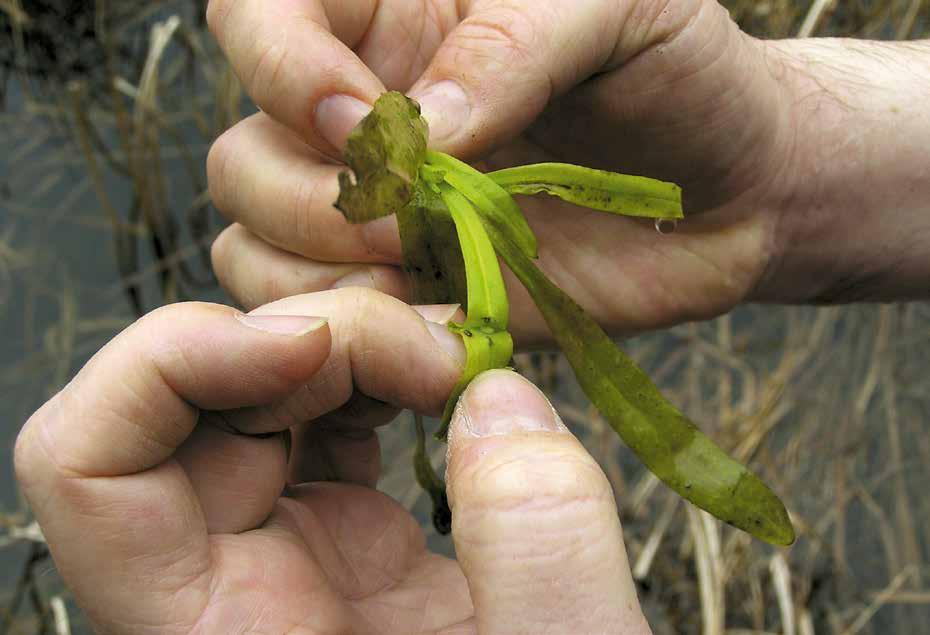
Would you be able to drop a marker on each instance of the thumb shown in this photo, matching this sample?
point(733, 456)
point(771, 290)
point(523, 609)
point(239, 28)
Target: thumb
point(534, 522)
point(499, 67)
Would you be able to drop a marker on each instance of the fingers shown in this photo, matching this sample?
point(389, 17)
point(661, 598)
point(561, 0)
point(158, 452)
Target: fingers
point(295, 68)
point(535, 525)
point(497, 70)
point(263, 177)
point(382, 348)
point(94, 461)
point(342, 446)
point(256, 273)
point(236, 478)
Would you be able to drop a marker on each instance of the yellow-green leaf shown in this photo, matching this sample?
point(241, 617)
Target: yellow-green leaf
point(670, 445)
point(598, 189)
point(487, 343)
point(491, 200)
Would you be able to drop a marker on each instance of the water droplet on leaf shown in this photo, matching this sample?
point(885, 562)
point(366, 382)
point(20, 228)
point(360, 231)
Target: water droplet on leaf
point(666, 225)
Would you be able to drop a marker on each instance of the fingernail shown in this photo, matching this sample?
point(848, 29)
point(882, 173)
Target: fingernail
point(445, 107)
point(382, 237)
point(294, 325)
point(500, 402)
point(358, 278)
point(336, 116)
point(438, 313)
point(448, 341)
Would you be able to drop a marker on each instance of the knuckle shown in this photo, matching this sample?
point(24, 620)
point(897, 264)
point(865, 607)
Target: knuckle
point(546, 484)
point(506, 36)
point(217, 12)
point(360, 302)
point(270, 288)
point(219, 253)
point(228, 270)
point(268, 70)
point(305, 200)
point(222, 168)
point(25, 458)
point(162, 315)
point(656, 22)
point(34, 459)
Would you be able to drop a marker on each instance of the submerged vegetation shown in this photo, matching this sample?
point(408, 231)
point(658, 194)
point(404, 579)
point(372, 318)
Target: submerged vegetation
point(827, 405)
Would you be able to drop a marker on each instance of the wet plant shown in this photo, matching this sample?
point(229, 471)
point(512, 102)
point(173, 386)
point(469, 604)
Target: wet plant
point(395, 173)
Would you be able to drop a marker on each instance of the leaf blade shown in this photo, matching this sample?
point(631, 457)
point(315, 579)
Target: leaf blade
point(670, 445)
point(604, 191)
point(487, 343)
point(490, 199)
point(385, 152)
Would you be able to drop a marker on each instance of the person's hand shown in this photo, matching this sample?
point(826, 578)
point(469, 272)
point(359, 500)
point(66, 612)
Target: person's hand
point(159, 477)
point(668, 89)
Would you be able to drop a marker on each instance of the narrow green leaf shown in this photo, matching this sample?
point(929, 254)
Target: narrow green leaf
point(672, 447)
point(491, 200)
point(598, 189)
point(487, 296)
point(385, 152)
point(430, 481)
point(487, 343)
point(484, 350)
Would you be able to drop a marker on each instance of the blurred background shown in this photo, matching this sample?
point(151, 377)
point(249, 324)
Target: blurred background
point(107, 110)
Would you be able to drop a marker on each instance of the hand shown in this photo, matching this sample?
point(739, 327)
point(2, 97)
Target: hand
point(159, 476)
point(671, 90)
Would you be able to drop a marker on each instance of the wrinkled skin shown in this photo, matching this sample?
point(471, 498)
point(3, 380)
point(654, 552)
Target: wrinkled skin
point(662, 89)
point(165, 514)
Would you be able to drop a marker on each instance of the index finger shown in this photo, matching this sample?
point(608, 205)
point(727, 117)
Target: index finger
point(293, 65)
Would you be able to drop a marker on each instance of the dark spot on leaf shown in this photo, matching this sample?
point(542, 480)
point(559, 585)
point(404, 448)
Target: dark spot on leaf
point(442, 516)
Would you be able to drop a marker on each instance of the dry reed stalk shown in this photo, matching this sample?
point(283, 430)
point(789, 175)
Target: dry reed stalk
point(60, 616)
point(14, 9)
point(781, 579)
point(650, 548)
point(904, 597)
point(814, 15)
point(805, 623)
point(904, 521)
point(706, 560)
point(880, 600)
point(906, 26)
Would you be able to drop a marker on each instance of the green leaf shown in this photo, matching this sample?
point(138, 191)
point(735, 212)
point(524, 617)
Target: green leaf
point(385, 151)
point(487, 343)
point(430, 481)
point(487, 296)
point(432, 256)
point(449, 251)
point(597, 189)
point(491, 200)
point(672, 447)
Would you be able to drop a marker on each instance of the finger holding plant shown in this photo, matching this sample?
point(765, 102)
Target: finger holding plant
point(434, 195)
